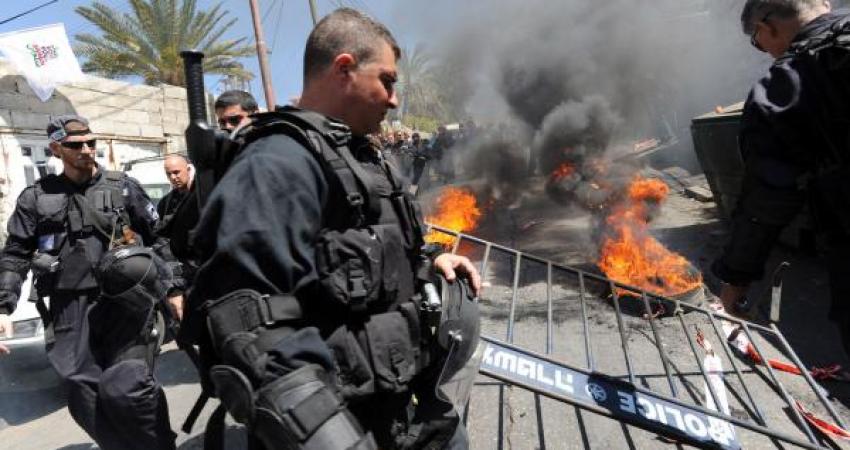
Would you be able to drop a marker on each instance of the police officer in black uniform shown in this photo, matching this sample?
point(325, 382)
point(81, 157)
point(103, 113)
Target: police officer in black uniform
point(100, 329)
point(795, 143)
point(311, 248)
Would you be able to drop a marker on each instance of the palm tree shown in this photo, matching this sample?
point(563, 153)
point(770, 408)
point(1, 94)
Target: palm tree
point(147, 41)
point(417, 90)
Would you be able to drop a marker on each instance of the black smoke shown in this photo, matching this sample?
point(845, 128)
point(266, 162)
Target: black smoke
point(590, 75)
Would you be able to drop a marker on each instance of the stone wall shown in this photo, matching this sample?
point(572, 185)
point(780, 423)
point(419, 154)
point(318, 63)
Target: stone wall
point(126, 117)
point(115, 108)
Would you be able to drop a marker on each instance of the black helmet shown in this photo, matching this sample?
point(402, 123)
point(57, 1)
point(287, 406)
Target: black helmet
point(458, 338)
point(134, 276)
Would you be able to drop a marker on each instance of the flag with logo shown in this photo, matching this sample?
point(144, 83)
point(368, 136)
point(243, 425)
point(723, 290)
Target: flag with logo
point(43, 56)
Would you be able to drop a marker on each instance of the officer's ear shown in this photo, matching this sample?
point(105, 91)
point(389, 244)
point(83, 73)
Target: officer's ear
point(343, 65)
point(54, 148)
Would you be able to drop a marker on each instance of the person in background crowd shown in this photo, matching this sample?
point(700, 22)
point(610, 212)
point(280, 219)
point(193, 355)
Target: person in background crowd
point(179, 173)
point(419, 153)
point(233, 108)
point(441, 149)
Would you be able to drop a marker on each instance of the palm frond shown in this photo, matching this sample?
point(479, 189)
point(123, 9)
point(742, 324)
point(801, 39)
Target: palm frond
point(146, 40)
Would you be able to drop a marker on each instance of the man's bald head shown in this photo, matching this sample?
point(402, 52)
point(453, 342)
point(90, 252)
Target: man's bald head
point(177, 171)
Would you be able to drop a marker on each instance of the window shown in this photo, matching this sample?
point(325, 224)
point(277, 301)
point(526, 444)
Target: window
point(29, 174)
point(26, 150)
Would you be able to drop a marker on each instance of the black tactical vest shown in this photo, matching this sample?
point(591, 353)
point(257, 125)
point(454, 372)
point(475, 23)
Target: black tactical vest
point(824, 61)
point(368, 250)
point(78, 227)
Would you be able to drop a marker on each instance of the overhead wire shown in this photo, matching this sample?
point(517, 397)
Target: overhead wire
point(27, 12)
point(277, 25)
point(271, 6)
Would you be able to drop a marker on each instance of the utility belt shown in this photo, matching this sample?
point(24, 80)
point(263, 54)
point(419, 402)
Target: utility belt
point(373, 353)
point(381, 353)
point(304, 406)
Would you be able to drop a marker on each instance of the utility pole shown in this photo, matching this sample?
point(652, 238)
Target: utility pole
point(262, 55)
point(313, 12)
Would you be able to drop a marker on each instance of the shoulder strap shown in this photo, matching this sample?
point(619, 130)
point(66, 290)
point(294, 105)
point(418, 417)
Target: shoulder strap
point(48, 183)
point(837, 35)
point(328, 142)
point(114, 176)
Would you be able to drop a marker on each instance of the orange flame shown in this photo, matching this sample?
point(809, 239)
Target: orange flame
point(456, 210)
point(564, 170)
point(632, 256)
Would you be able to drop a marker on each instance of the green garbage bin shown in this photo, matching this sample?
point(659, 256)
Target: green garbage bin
point(715, 136)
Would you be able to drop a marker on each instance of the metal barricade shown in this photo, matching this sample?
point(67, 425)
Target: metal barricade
point(566, 335)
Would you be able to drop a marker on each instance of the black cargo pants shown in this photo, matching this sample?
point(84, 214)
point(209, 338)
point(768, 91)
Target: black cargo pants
point(398, 423)
point(115, 400)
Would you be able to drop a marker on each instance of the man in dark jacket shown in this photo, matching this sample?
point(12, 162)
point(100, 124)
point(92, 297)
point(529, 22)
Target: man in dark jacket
point(102, 345)
point(178, 170)
point(179, 173)
point(442, 152)
point(794, 142)
point(282, 222)
point(420, 153)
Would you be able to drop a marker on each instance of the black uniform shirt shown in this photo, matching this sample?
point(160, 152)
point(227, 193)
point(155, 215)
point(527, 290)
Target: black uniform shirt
point(260, 224)
point(23, 234)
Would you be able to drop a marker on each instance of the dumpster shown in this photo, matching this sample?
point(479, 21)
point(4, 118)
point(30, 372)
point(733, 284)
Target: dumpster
point(715, 136)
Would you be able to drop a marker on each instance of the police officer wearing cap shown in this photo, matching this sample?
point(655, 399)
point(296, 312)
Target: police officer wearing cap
point(795, 144)
point(313, 257)
point(81, 233)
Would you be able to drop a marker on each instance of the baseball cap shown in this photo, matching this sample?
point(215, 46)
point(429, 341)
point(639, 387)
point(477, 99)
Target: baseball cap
point(56, 129)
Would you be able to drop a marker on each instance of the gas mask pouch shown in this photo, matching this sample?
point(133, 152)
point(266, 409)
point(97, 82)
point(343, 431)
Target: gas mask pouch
point(75, 271)
point(359, 267)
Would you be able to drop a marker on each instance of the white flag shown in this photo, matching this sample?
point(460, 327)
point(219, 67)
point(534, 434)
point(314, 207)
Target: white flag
point(43, 56)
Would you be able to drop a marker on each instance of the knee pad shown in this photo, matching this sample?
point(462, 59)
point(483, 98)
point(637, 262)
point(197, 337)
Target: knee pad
point(300, 410)
point(296, 411)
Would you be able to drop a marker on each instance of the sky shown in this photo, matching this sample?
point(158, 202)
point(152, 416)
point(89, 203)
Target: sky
point(286, 25)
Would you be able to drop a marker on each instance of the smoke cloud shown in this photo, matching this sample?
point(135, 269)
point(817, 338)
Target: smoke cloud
point(586, 75)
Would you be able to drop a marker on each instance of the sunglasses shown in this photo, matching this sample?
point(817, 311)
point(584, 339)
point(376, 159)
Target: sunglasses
point(91, 143)
point(231, 120)
point(753, 40)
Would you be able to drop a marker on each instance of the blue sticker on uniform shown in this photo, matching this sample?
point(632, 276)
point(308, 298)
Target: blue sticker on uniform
point(46, 242)
point(152, 211)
